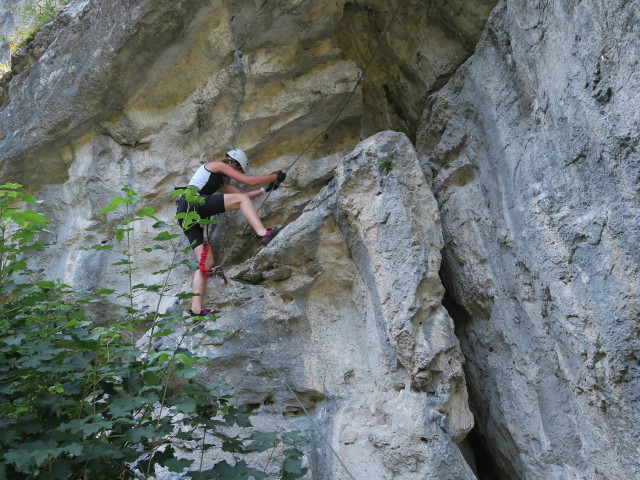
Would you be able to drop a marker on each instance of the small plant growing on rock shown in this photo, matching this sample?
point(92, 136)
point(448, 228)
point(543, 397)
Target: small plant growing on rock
point(385, 165)
point(4, 68)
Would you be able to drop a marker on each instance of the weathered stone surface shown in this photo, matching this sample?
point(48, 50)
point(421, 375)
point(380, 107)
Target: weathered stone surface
point(194, 76)
point(139, 94)
point(348, 312)
point(533, 152)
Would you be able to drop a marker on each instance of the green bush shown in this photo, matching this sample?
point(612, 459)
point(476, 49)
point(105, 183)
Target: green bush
point(79, 401)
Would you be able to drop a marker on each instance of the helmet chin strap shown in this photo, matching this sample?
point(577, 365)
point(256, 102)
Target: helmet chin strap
point(233, 163)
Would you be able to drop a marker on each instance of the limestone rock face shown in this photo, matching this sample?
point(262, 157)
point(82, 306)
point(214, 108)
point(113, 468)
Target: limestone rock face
point(526, 181)
point(348, 313)
point(348, 307)
point(532, 150)
point(120, 94)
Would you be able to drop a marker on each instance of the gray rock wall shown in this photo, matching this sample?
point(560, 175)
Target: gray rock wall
point(533, 153)
point(114, 94)
point(347, 311)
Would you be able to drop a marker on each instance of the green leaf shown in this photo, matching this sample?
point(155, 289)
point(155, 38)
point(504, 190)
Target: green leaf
point(16, 266)
point(155, 247)
point(75, 323)
point(146, 212)
point(161, 356)
point(125, 405)
point(26, 217)
point(192, 265)
point(186, 373)
point(188, 219)
point(74, 449)
point(238, 471)
point(145, 432)
point(100, 247)
point(132, 196)
point(13, 186)
point(162, 333)
point(104, 291)
point(14, 339)
point(85, 426)
point(292, 465)
point(122, 262)
point(20, 459)
point(114, 203)
point(164, 236)
point(151, 378)
point(120, 233)
point(263, 441)
point(294, 439)
point(217, 333)
point(234, 415)
point(177, 465)
point(186, 360)
point(185, 295)
point(41, 455)
point(186, 405)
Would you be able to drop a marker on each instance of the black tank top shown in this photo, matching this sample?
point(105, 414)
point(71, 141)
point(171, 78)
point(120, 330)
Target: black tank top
point(205, 181)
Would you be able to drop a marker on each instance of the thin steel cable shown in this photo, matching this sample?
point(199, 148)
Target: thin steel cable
point(360, 78)
point(284, 381)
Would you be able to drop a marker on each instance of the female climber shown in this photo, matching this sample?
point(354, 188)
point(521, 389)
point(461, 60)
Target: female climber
point(212, 177)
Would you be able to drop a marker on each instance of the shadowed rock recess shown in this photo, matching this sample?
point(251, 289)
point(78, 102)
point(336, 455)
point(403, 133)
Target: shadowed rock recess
point(455, 294)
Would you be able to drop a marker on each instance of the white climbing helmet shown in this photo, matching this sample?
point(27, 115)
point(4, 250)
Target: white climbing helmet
point(240, 157)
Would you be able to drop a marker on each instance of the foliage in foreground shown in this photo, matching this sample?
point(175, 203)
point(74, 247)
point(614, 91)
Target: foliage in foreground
point(79, 401)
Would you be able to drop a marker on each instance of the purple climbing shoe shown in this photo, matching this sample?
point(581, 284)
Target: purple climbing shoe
point(270, 235)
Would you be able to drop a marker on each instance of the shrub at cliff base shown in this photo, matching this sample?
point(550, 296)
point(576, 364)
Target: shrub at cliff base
point(79, 401)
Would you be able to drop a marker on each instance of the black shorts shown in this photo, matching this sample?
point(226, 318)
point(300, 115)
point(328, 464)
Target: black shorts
point(213, 205)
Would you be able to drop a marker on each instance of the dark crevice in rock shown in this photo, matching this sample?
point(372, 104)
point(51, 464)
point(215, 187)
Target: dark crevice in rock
point(485, 464)
point(461, 318)
point(399, 56)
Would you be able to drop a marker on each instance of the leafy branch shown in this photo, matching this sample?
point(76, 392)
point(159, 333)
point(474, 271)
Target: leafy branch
point(79, 401)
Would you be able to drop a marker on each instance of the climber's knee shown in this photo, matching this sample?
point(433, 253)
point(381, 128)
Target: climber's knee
point(233, 201)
